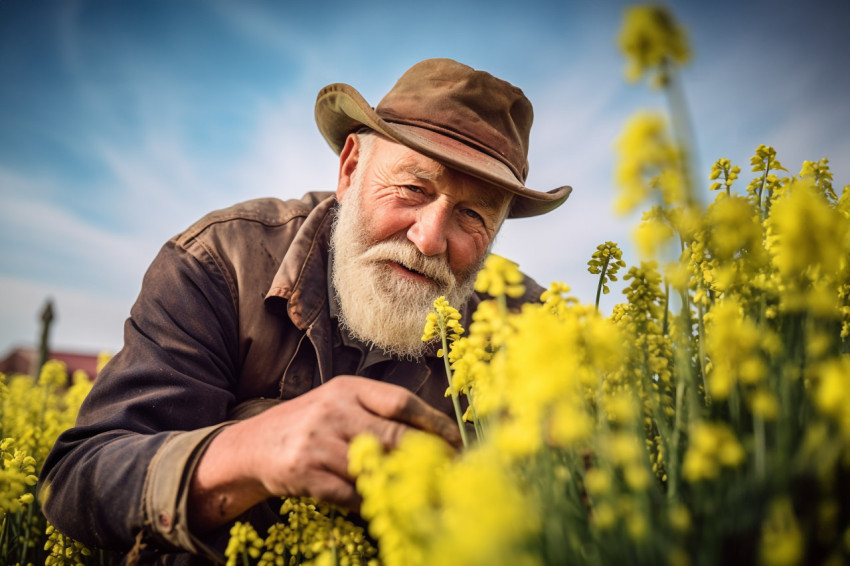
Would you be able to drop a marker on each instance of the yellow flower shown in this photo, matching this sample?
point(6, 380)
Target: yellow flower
point(401, 492)
point(782, 542)
point(636, 527)
point(768, 186)
point(821, 175)
point(832, 393)
point(500, 276)
point(680, 518)
point(651, 41)
point(652, 234)
point(473, 529)
point(604, 517)
point(624, 448)
point(733, 346)
point(621, 408)
point(244, 541)
point(597, 481)
point(677, 275)
point(313, 531)
point(711, 446)
point(606, 261)
point(729, 172)
point(570, 424)
point(53, 374)
point(364, 454)
point(63, 550)
point(647, 162)
point(443, 320)
point(765, 159)
point(637, 477)
point(764, 404)
point(843, 204)
point(735, 229)
point(808, 238)
point(555, 298)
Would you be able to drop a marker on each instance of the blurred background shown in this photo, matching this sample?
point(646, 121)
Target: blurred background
point(121, 123)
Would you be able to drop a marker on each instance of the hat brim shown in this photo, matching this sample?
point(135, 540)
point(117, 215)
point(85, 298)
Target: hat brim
point(341, 110)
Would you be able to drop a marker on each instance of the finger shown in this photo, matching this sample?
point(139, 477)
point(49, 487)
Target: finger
point(399, 404)
point(387, 431)
point(331, 488)
point(422, 415)
point(335, 458)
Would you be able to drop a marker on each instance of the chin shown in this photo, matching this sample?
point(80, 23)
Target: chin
point(387, 309)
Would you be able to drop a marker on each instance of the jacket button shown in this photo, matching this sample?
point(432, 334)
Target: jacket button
point(164, 519)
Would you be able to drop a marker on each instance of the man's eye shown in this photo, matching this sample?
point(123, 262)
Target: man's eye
point(472, 214)
point(413, 188)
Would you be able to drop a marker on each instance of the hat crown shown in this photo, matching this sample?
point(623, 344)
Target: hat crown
point(468, 120)
point(471, 106)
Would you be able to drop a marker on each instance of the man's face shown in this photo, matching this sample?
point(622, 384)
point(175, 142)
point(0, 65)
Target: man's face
point(408, 230)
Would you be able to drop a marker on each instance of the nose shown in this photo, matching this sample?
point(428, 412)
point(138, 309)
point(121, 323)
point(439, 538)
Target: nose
point(428, 231)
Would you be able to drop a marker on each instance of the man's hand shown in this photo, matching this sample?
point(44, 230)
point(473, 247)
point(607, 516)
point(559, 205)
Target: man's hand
point(300, 447)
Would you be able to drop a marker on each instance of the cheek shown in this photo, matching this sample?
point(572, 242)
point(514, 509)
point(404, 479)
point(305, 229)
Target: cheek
point(465, 252)
point(386, 222)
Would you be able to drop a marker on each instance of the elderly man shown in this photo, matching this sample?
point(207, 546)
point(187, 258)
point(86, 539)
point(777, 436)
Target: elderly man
point(270, 334)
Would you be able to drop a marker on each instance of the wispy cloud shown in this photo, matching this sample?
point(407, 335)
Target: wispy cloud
point(46, 240)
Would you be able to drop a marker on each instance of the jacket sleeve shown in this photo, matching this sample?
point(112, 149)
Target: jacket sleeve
point(124, 468)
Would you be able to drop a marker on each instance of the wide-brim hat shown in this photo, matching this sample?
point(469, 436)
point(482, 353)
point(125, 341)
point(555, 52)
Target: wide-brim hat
point(466, 119)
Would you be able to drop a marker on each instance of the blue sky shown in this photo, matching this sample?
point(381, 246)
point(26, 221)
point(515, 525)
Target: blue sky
point(122, 122)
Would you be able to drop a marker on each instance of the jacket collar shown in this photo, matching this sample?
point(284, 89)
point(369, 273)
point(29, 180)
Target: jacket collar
point(299, 284)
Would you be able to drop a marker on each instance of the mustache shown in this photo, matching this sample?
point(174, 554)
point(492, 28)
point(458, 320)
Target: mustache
point(408, 255)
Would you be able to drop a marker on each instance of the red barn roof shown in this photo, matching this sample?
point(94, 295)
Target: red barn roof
point(23, 360)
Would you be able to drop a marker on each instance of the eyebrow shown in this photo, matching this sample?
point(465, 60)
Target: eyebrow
point(492, 205)
point(411, 168)
point(487, 204)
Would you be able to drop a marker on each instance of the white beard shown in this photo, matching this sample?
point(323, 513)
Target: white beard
point(377, 305)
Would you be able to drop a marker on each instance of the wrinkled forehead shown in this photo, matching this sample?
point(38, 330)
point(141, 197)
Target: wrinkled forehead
point(419, 168)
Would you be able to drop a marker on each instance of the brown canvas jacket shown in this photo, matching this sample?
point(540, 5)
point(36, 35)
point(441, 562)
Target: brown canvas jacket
point(232, 316)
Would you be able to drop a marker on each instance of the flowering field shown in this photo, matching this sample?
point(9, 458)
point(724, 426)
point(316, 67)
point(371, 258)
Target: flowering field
point(705, 421)
point(32, 415)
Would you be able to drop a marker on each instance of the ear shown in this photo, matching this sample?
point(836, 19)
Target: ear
point(348, 160)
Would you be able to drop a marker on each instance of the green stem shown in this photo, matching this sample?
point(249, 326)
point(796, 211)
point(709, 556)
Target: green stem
point(601, 281)
point(702, 364)
point(758, 426)
point(555, 530)
point(790, 378)
point(455, 400)
point(4, 529)
point(735, 407)
point(682, 130)
point(656, 407)
point(479, 429)
point(761, 189)
point(26, 532)
point(684, 375)
point(673, 455)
